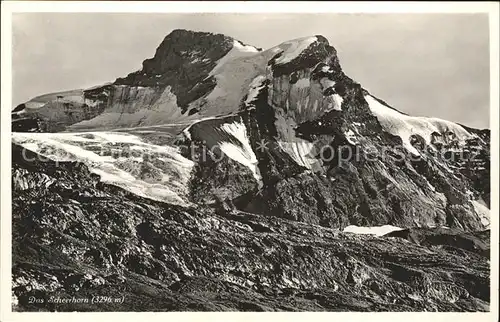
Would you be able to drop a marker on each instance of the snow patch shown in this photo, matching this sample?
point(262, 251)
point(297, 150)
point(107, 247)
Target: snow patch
point(187, 134)
point(255, 86)
point(375, 230)
point(92, 103)
point(351, 137)
point(33, 105)
point(297, 148)
point(483, 211)
point(337, 102)
point(325, 69)
point(300, 151)
point(73, 99)
point(244, 154)
point(231, 75)
point(293, 48)
point(404, 126)
point(238, 50)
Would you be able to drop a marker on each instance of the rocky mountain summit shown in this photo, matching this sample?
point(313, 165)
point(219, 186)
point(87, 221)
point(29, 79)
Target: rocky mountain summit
point(222, 176)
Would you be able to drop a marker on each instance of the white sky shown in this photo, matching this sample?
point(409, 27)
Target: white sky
point(423, 64)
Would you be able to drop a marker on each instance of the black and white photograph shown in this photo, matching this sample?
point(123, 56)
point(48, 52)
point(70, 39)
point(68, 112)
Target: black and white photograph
point(250, 161)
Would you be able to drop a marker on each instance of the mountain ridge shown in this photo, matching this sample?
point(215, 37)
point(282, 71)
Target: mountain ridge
point(199, 34)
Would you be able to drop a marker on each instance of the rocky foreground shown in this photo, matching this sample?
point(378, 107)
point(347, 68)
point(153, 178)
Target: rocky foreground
point(81, 245)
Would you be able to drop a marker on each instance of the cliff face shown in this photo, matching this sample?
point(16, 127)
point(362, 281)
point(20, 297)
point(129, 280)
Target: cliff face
point(269, 149)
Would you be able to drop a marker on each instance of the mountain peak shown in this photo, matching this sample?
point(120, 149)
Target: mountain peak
point(304, 52)
point(193, 34)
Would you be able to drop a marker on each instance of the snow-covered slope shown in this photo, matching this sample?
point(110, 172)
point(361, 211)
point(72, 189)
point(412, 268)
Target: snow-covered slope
point(241, 152)
point(255, 87)
point(154, 171)
point(233, 73)
point(377, 231)
point(293, 48)
point(405, 126)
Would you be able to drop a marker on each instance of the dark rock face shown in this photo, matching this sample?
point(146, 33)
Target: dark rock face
point(183, 60)
point(76, 237)
point(316, 52)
